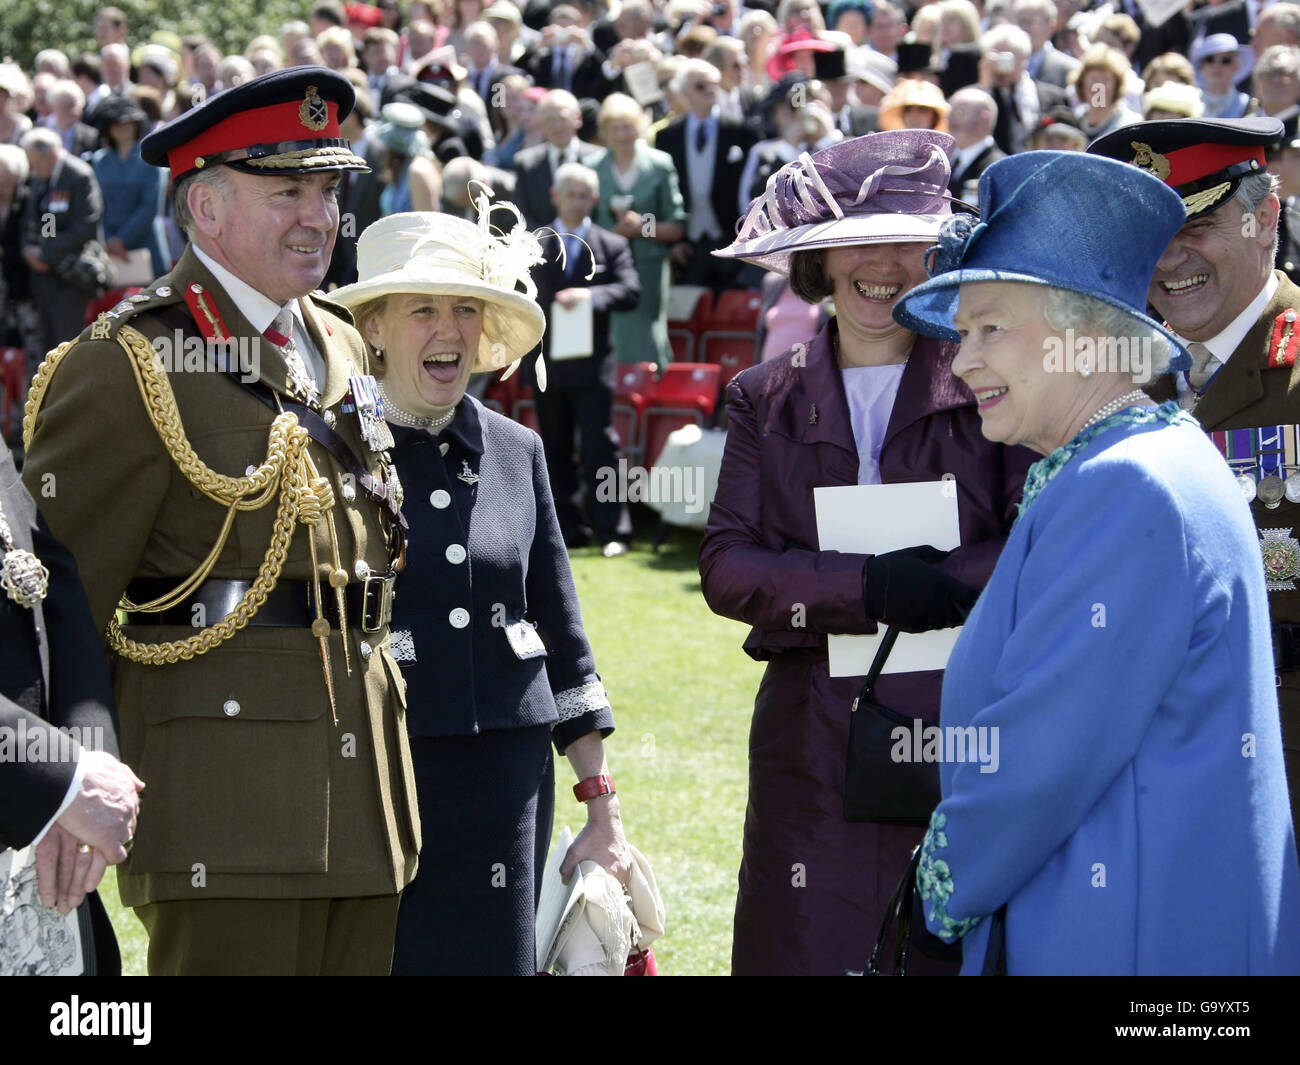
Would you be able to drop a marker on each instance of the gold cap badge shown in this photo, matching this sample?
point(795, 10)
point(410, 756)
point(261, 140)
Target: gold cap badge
point(313, 112)
point(1151, 162)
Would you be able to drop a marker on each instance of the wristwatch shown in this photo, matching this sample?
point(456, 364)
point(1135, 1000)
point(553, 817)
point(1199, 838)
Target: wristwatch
point(593, 787)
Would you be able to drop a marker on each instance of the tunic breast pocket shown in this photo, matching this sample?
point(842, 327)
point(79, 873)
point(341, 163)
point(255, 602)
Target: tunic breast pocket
point(235, 751)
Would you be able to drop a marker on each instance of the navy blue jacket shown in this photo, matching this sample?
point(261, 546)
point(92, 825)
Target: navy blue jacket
point(486, 624)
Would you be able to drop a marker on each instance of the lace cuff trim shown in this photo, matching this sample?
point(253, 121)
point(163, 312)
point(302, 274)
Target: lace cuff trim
point(574, 702)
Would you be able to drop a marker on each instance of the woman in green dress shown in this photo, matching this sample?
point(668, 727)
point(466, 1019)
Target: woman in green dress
point(640, 199)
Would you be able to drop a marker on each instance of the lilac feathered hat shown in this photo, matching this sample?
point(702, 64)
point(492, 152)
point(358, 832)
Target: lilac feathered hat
point(882, 188)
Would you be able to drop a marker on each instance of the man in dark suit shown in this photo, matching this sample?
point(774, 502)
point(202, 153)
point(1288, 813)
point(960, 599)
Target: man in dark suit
point(598, 268)
point(61, 221)
point(971, 124)
point(67, 105)
point(709, 153)
point(74, 797)
point(485, 72)
point(1038, 18)
point(566, 59)
point(559, 117)
point(1020, 100)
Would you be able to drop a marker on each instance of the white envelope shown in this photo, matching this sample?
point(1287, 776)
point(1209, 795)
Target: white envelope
point(571, 331)
point(872, 519)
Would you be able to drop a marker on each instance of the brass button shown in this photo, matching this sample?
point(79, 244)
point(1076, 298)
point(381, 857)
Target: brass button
point(230, 708)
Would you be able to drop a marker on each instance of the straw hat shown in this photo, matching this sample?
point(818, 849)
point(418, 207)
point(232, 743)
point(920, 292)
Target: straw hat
point(442, 255)
point(883, 188)
point(913, 92)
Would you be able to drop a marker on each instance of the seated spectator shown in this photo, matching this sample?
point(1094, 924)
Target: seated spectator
point(412, 181)
point(915, 104)
point(14, 90)
point(1098, 83)
point(52, 61)
point(852, 17)
point(1172, 100)
point(67, 104)
point(1172, 66)
point(336, 48)
point(1218, 61)
point(518, 121)
point(110, 26)
point(68, 265)
point(1277, 79)
point(132, 189)
point(234, 70)
point(14, 270)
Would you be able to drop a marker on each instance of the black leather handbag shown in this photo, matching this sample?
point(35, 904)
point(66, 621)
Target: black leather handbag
point(905, 919)
point(877, 788)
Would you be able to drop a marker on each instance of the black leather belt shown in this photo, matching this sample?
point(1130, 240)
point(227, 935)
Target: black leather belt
point(288, 605)
point(1286, 647)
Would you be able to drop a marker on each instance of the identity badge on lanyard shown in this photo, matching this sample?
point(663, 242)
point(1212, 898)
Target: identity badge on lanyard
point(370, 412)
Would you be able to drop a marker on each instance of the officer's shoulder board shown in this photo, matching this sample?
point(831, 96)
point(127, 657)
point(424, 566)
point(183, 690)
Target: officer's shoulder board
point(1285, 340)
point(153, 298)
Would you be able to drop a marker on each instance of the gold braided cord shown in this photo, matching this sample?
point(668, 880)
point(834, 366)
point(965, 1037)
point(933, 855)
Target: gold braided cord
point(304, 497)
point(306, 157)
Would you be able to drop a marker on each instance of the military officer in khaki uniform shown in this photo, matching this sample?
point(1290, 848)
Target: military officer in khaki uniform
point(1239, 318)
point(213, 453)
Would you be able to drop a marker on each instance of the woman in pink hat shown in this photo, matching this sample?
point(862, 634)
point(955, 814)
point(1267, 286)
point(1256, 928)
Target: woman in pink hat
point(865, 401)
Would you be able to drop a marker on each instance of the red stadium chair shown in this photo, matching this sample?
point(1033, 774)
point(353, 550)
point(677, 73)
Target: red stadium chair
point(689, 308)
point(13, 378)
point(524, 410)
point(687, 395)
point(634, 388)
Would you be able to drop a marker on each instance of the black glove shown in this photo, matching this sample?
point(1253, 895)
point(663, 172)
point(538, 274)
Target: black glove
point(907, 589)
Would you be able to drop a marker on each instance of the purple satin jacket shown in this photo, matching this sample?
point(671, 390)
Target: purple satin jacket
point(789, 431)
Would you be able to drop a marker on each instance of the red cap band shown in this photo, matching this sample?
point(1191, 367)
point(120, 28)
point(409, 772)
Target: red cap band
point(314, 118)
point(1201, 160)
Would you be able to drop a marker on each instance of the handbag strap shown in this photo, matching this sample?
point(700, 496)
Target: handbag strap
point(877, 664)
point(898, 913)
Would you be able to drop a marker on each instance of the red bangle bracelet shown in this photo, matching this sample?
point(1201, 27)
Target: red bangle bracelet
point(593, 787)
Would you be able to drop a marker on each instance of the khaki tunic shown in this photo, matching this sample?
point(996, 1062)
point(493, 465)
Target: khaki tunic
point(252, 791)
point(1247, 393)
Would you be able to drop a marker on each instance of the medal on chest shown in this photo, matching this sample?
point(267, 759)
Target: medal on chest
point(23, 577)
point(367, 401)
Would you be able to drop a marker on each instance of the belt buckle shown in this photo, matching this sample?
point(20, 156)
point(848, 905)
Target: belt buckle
point(377, 602)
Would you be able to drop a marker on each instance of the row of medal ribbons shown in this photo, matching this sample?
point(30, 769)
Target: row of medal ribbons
point(1265, 460)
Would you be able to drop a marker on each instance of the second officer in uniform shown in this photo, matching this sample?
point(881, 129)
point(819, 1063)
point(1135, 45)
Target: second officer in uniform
point(1239, 318)
point(237, 524)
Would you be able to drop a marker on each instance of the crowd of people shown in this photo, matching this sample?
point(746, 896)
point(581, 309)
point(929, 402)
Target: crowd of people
point(928, 199)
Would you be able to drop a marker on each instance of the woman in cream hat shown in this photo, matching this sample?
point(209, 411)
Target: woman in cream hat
point(914, 104)
point(486, 626)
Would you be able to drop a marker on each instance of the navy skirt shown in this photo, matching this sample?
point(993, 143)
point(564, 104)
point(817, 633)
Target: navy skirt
point(487, 803)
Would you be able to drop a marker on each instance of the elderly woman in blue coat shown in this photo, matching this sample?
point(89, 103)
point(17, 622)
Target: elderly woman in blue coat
point(486, 624)
point(1136, 818)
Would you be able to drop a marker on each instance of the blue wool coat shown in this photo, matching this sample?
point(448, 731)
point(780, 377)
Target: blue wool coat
point(1137, 821)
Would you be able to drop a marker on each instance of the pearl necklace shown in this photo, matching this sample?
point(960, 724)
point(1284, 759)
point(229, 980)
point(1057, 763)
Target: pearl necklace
point(1128, 399)
point(393, 413)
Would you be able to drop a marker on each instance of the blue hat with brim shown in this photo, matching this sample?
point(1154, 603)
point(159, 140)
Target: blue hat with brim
point(1066, 220)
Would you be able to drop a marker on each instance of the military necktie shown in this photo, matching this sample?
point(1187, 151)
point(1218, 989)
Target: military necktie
point(280, 333)
point(1204, 365)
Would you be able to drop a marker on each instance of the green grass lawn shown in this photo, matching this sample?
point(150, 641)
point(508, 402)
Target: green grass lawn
point(682, 692)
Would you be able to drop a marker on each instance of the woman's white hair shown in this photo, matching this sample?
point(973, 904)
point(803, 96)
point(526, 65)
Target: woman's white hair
point(1088, 316)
